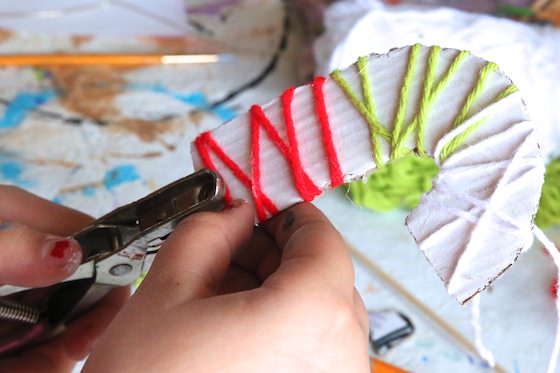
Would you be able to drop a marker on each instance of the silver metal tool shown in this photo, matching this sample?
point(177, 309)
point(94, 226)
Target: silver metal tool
point(117, 249)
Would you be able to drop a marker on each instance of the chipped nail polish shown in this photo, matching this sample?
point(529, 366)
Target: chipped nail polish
point(62, 253)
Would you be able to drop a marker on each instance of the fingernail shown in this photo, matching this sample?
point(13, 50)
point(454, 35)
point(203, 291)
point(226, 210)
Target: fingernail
point(238, 203)
point(62, 253)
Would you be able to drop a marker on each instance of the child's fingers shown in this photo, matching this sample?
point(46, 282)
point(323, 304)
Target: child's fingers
point(314, 254)
point(194, 260)
point(47, 358)
point(28, 256)
point(82, 334)
point(32, 259)
point(17, 205)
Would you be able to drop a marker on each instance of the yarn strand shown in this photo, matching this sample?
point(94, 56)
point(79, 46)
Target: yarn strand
point(484, 352)
point(398, 136)
point(420, 120)
point(458, 140)
point(290, 151)
point(323, 117)
point(553, 251)
point(426, 100)
point(403, 100)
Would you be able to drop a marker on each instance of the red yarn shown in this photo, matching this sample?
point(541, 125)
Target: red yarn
point(200, 142)
point(261, 201)
point(321, 110)
point(258, 194)
point(303, 183)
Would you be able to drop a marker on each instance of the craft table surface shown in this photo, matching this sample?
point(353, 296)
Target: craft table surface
point(518, 315)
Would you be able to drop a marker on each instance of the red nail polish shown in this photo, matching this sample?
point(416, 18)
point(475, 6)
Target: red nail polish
point(60, 249)
point(62, 253)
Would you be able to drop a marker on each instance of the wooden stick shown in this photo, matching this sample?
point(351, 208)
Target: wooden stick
point(424, 310)
point(105, 59)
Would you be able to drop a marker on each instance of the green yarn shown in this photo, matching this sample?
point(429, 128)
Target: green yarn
point(549, 207)
point(486, 70)
point(425, 102)
point(402, 181)
point(454, 144)
point(399, 184)
point(431, 90)
point(367, 108)
point(431, 93)
point(458, 140)
point(397, 143)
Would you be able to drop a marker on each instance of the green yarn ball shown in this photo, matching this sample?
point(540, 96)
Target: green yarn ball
point(400, 183)
point(549, 206)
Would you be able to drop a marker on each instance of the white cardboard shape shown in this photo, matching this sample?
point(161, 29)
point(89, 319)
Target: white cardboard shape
point(477, 218)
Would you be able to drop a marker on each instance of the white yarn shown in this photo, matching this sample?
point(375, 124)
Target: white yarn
point(510, 222)
point(484, 352)
point(553, 251)
point(507, 224)
point(495, 108)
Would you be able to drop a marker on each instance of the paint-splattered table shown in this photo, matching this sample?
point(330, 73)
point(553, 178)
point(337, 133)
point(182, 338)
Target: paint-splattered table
point(97, 137)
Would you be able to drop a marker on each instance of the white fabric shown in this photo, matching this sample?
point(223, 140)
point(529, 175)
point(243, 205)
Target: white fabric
point(484, 352)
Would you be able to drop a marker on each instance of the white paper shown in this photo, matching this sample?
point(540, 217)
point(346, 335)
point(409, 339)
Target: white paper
point(95, 17)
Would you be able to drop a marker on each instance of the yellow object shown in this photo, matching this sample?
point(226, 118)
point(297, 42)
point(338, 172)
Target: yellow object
point(104, 59)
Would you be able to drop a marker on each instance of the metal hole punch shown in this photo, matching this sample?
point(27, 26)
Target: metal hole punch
point(13, 311)
point(115, 249)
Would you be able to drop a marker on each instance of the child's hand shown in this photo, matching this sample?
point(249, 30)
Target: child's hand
point(35, 252)
point(222, 297)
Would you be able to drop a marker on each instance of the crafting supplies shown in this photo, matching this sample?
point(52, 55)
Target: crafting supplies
point(447, 104)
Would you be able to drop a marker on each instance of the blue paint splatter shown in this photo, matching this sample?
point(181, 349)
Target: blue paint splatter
point(453, 355)
point(470, 359)
point(424, 359)
point(22, 104)
point(196, 99)
point(485, 365)
point(116, 176)
point(88, 191)
point(11, 171)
